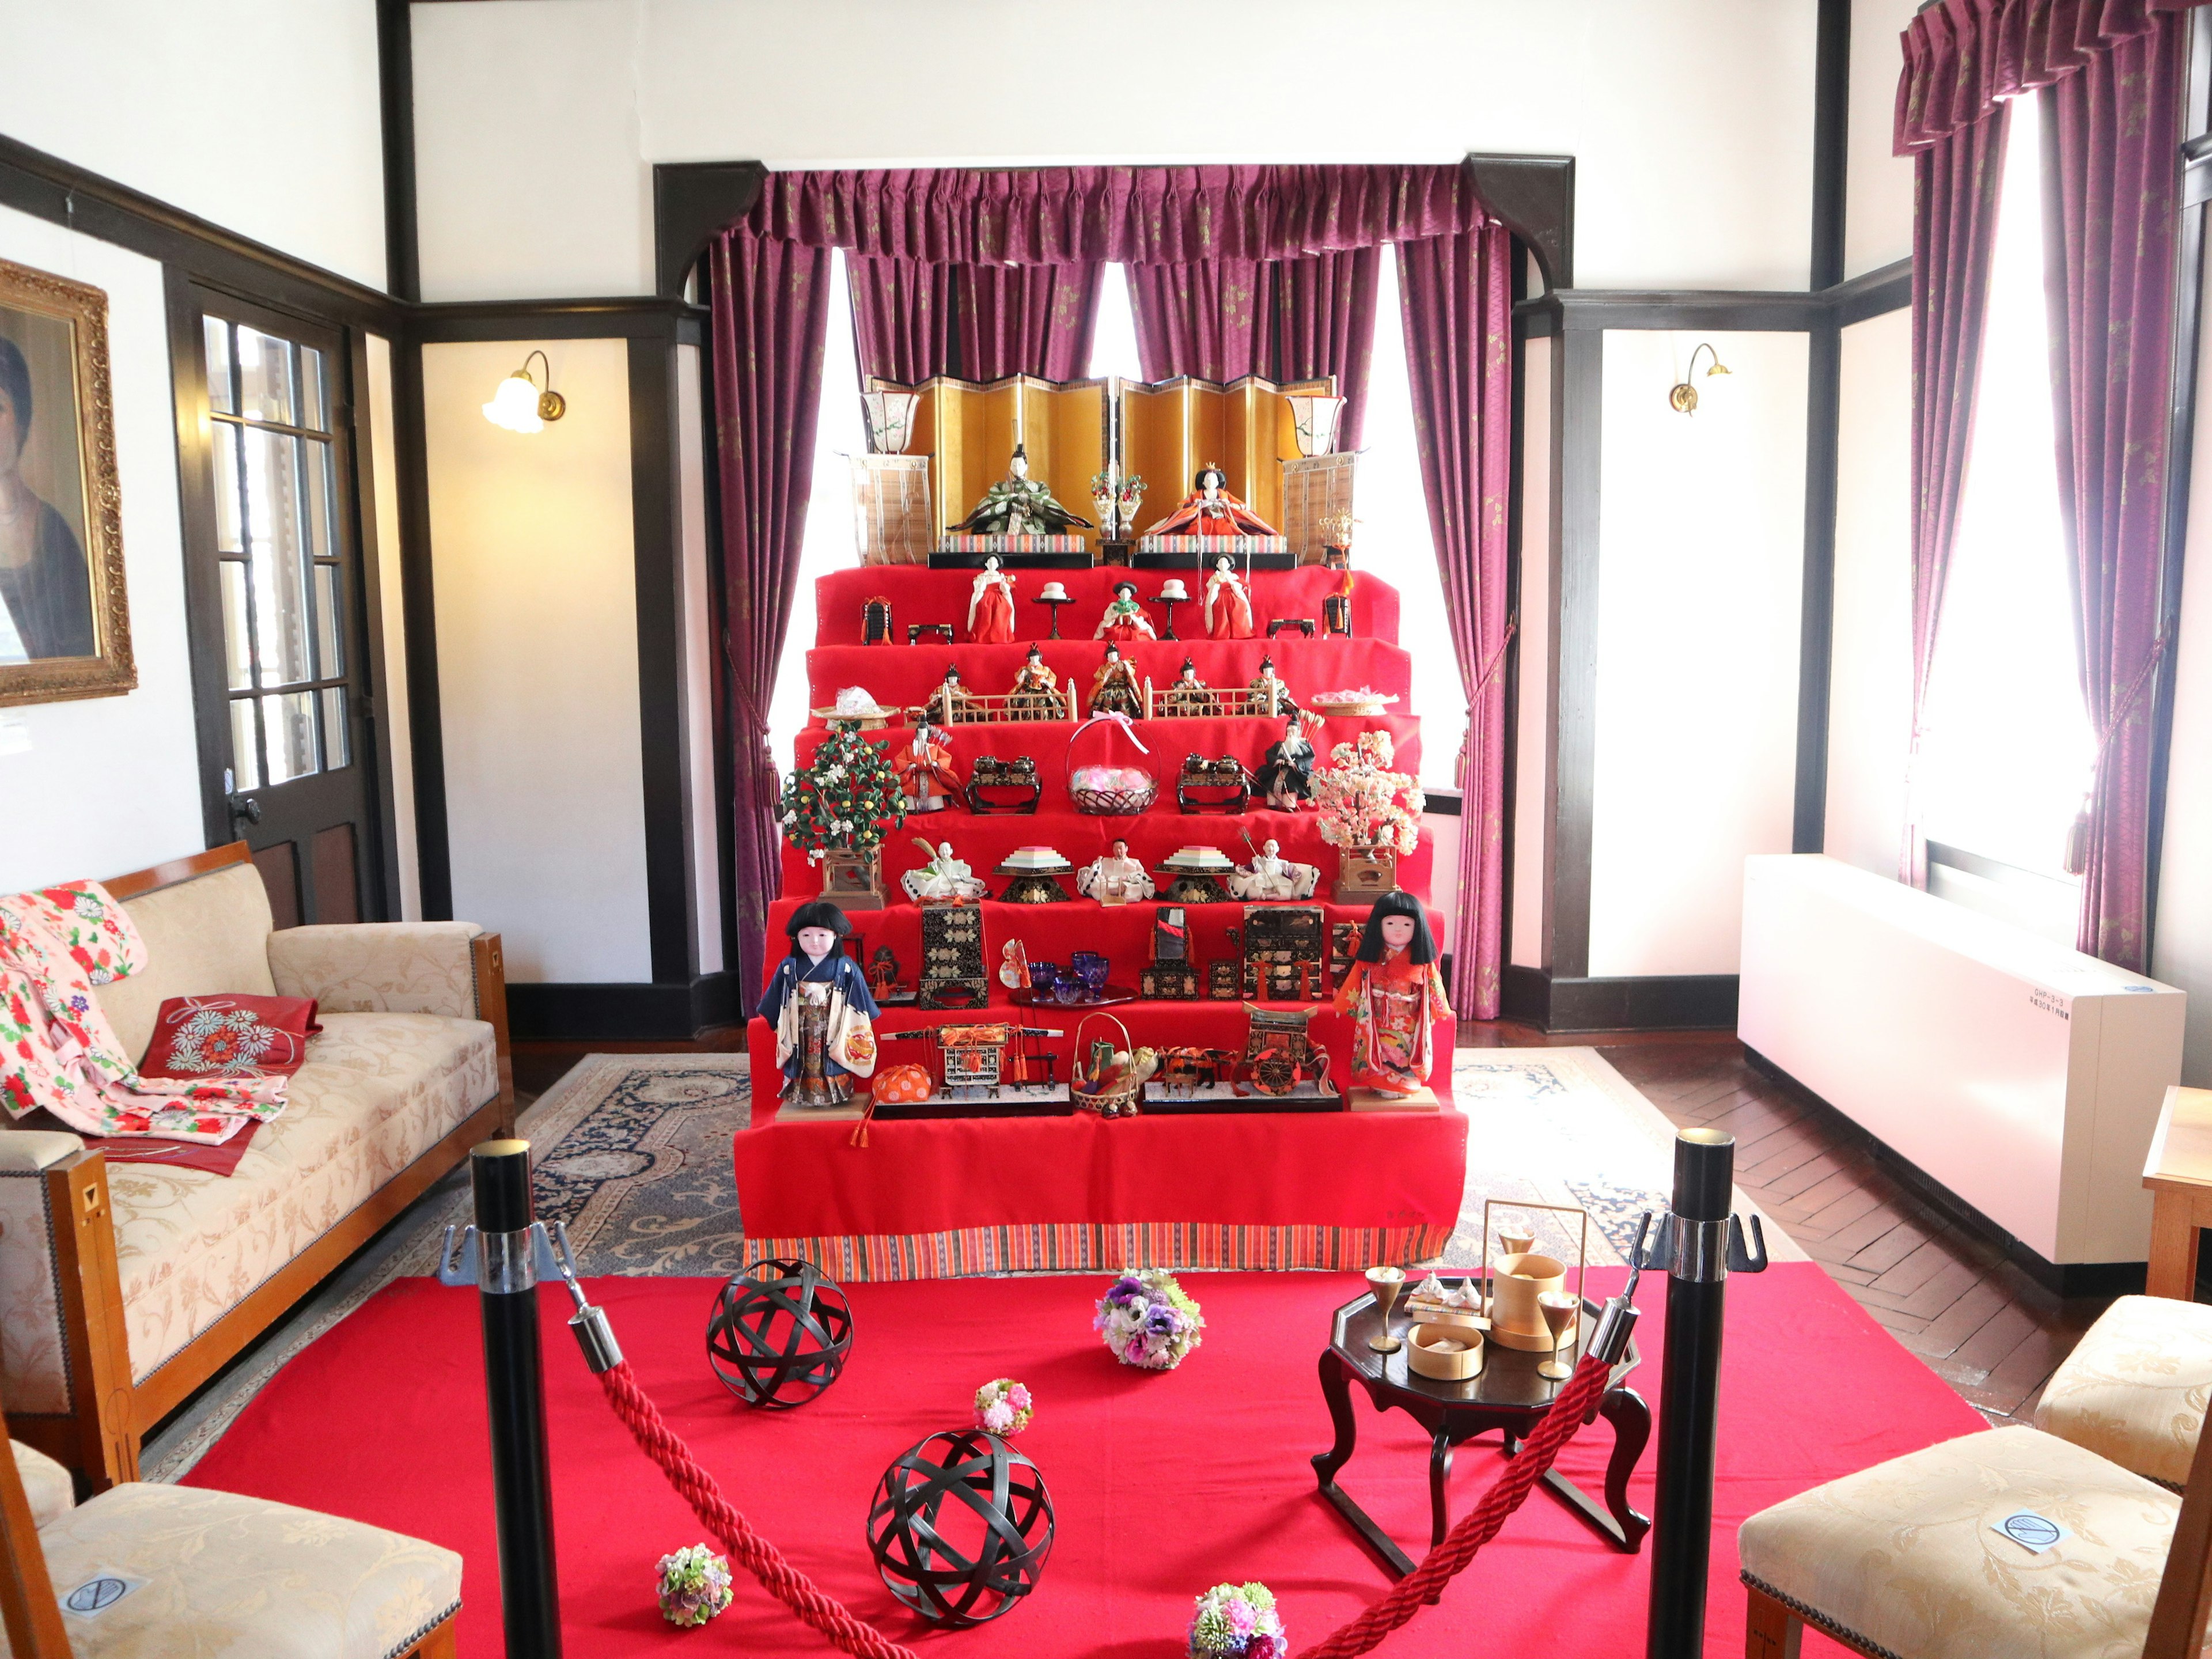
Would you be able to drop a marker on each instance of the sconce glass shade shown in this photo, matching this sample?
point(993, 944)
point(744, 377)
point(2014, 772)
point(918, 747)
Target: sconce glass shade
point(514, 405)
point(890, 420)
point(1314, 421)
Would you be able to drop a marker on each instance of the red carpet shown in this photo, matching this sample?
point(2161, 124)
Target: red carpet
point(1164, 1484)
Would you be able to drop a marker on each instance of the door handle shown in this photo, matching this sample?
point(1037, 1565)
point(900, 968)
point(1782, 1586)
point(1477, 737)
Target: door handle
point(244, 806)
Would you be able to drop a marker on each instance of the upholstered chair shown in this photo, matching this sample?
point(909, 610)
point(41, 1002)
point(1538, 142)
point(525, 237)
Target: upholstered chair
point(204, 1572)
point(2134, 1389)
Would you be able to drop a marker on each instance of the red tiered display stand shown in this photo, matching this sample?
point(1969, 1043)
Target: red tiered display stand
point(934, 1196)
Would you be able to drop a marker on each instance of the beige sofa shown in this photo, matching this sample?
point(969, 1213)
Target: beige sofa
point(124, 1287)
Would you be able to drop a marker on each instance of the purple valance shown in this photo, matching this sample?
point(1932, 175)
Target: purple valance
point(1961, 56)
point(1138, 216)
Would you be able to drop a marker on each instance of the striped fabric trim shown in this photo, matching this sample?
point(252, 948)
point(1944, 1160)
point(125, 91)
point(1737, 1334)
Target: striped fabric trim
point(1103, 1247)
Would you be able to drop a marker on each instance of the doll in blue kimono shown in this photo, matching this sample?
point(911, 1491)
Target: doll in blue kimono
point(818, 999)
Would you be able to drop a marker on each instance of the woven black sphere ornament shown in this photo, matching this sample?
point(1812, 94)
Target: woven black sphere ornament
point(961, 1526)
point(779, 1335)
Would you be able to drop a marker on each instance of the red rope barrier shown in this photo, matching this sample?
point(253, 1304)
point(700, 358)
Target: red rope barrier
point(1576, 1400)
point(762, 1558)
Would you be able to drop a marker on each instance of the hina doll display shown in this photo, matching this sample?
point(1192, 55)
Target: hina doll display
point(1284, 775)
point(1271, 876)
point(1228, 607)
point(1125, 618)
point(925, 768)
point(1394, 995)
point(1210, 510)
point(1114, 877)
point(1186, 696)
point(1018, 505)
point(823, 1011)
point(1113, 688)
point(1036, 694)
point(991, 605)
point(1266, 682)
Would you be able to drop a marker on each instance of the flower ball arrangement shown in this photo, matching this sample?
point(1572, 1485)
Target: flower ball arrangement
point(1238, 1621)
point(1003, 1407)
point(1148, 1321)
point(695, 1586)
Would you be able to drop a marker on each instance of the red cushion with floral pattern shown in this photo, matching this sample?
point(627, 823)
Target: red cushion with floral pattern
point(230, 1036)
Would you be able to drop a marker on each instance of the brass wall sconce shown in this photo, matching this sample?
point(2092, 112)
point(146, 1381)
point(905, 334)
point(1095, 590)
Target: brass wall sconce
point(520, 406)
point(1682, 397)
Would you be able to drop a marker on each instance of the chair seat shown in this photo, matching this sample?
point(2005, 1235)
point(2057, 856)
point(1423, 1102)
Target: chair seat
point(225, 1574)
point(1904, 1558)
point(2134, 1389)
point(46, 1483)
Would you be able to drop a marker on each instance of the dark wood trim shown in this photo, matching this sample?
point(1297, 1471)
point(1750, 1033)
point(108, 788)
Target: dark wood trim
point(2181, 451)
point(1832, 126)
point(374, 555)
point(1535, 195)
point(691, 202)
point(1649, 1002)
point(173, 871)
point(640, 316)
point(1871, 293)
point(62, 193)
point(1578, 376)
point(549, 1011)
point(1723, 310)
point(395, 64)
point(204, 624)
point(723, 712)
point(657, 549)
point(418, 604)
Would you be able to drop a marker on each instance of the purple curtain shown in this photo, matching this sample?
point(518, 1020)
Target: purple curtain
point(2112, 180)
point(770, 318)
point(902, 318)
point(913, 319)
point(1955, 223)
point(1324, 324)
point(1459, 357)
point(1961, 56)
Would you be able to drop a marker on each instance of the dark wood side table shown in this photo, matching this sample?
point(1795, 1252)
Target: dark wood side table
point(1508, 1395)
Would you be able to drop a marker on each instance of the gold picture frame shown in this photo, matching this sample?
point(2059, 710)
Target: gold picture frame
point(65, 617)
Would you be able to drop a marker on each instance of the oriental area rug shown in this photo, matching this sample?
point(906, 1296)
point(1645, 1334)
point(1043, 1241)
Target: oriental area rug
point(1162, 1484)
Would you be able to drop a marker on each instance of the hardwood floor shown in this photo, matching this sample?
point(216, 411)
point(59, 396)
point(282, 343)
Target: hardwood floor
point(1980, 1323)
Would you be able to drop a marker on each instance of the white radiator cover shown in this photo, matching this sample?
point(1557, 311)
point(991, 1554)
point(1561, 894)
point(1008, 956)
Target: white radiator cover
point(2025, 1077)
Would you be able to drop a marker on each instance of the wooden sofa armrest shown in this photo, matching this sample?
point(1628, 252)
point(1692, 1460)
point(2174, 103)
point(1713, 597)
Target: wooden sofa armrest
point(99, 1435)
point(489, 964)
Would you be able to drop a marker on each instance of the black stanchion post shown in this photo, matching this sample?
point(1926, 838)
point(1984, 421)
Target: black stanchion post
point(514, 1383)
point(1698, 1244)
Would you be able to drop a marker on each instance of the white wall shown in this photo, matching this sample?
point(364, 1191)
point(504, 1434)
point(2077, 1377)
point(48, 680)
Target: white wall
point(537, 609)
point(1870, 664)
point(106, 785)
point(538, 125)
point(2181, 942)
point(260, 115)
point(381, 511)
point(1701, 554)
point(699, 644)
point(1878, 185)
point(1533, 740)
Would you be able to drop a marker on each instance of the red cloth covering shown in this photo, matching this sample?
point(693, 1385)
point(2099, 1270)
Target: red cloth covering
point(219, 1160)
point(1161, 1483)
point(919, 594)
point(983, 843)
point(230, 1036)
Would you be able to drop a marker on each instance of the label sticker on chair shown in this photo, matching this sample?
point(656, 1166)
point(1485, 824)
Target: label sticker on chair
point(2033, 1532)
point(99, 1592)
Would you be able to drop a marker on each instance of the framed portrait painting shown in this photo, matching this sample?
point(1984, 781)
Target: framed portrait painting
point(64, 622)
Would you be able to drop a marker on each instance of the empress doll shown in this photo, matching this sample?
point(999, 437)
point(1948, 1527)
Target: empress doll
point(1394, 995)
point(991, 605)
point(1228, 607)
point(1210, 510)
point(818, 1000)
point(1124, 618)
point(1114, 689)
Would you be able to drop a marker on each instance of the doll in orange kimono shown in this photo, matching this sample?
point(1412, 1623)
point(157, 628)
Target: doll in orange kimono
point(1210, 510)
point(1394, 995)
point(1228, 607)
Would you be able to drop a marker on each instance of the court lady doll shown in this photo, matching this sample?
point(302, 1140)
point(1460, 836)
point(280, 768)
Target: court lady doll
point(1125, 618)
point(991, 605)
point(818, 1000)
point(1228, 607)
point(1394, 995)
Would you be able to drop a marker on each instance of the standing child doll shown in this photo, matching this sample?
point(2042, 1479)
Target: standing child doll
point(1394, 995)
point(818, 1000)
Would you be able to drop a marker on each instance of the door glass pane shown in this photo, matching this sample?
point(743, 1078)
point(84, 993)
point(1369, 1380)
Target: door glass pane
point(264, 373)
point(218, 334)
point(226, 488)
point(237, 643)
point(322, 490)
point(329, 663)
point(312, 412)
point(291, 719)
point(244, 746)
point(280, 577)
point(337, 743)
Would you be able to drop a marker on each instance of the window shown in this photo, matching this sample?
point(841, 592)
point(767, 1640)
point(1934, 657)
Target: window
point(2006, 743)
